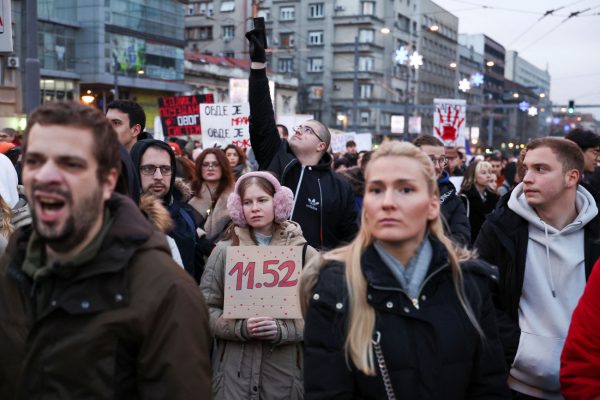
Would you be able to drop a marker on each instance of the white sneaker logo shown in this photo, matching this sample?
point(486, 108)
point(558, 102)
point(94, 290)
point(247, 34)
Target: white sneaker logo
point(312, 204)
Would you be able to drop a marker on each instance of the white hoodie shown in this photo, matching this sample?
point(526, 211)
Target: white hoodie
point(554, 282)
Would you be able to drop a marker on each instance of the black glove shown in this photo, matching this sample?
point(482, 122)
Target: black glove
point(258, 41)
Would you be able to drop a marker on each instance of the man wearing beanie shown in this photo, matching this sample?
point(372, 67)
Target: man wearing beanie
point(323, 201)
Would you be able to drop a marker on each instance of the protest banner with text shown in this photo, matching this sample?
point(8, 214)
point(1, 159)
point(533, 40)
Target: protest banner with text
point(179, 114)
point(224, 124)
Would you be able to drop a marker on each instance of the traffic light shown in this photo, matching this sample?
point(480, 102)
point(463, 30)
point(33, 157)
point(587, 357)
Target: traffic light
point(571, 108)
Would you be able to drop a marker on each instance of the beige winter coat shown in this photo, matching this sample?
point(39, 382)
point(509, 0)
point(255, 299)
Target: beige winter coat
point(253, 369)
point(216, 219)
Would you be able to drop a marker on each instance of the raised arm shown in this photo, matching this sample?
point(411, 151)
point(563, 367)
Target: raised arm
point(264, 137)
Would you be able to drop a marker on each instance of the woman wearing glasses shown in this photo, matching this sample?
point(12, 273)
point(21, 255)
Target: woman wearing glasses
point(401, 312)
point(212, 186)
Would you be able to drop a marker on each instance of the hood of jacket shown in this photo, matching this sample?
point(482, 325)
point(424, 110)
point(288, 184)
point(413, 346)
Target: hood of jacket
point(584, 201)
point(138, 150)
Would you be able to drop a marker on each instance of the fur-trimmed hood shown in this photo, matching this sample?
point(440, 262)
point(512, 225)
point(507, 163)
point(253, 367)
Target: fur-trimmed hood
point(156, 212)
point(182, 190)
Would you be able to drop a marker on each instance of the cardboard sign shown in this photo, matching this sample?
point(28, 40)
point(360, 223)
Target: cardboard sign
point(225, 123)
point(449, 121)
point(262, 281)
point(179, 114)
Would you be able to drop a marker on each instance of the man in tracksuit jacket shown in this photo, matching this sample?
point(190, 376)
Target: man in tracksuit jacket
point(543, 237)
point(323, 201)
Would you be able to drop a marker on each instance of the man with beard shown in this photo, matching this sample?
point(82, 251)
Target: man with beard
point(155, 162)
point(91, 303)
point(323, 201)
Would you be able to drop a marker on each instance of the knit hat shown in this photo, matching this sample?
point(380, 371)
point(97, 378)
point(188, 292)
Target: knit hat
point(283, 200)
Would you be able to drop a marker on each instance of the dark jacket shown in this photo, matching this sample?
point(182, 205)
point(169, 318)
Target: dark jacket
point(128, 324)
point(477, 209)
point(431, 352)
point(456, 222)
point(503, 241)
point(324, 204)
point(185, 219)
point(129, 181)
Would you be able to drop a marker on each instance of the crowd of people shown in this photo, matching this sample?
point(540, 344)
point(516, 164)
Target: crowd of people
point(426, 273)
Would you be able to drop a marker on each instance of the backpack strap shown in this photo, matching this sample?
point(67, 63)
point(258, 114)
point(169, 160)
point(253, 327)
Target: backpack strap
point(467, 203)
point(189, 221)
point(304, 254)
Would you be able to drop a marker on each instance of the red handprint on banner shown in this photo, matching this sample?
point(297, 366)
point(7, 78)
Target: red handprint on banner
point(449, 129)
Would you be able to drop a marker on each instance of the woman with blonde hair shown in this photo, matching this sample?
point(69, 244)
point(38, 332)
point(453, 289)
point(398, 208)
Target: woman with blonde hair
point(478, 193)
point(400, 312)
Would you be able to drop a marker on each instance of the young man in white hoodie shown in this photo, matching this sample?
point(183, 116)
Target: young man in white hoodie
point(543, 239)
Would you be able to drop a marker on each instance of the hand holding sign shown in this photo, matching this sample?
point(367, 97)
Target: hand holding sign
point(262, 328)
point(262, 281)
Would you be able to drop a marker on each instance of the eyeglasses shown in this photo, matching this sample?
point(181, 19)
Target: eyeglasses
point(209, 165)
point(442, 161)
point(308, 130)
point(150, 169)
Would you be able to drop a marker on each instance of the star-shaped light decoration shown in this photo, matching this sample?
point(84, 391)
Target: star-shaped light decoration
point(476, 79)
point(401, 55)
point(416, 60)
point(524, 106)
point(533, 111)
point(464, 85)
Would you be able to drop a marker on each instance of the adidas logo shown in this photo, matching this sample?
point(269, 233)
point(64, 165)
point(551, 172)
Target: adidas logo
point(312, 204)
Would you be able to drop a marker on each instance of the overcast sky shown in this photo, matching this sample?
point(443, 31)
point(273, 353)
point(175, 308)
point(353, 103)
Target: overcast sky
point(570, 49)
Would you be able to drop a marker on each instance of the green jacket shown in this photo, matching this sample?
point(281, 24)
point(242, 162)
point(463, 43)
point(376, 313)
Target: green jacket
point(126, 324)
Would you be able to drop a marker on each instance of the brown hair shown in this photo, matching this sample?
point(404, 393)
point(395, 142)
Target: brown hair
point(239, 151)
point(188, 168)
point(226, 180)
point(6, 227)
point(427, 140)
point(73, 114)
point(567, 151)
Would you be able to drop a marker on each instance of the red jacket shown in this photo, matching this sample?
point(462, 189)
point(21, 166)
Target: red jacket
point(580, 360)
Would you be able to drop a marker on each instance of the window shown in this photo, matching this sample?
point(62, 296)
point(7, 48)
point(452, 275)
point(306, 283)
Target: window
point(315, 38)
point(366, 35)
point(229, 54)
point(315, 92)
point(315, 10)
point(365, 117)
point(199, 33)
point(285, 65)
point(287, 13)
point(366, 91)
point(227, 6)
point(368, 7)
point(286, 39)
point(315, 64)
point(365, 63)
point(206, 8)
point(228, 32)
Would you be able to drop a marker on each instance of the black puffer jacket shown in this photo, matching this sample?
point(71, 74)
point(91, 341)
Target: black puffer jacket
point(431, 352)
point(455, 216)
point(324, 203)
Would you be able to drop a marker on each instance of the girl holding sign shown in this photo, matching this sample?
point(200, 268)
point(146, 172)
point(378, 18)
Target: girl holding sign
point(255, 357)
point(400, 312)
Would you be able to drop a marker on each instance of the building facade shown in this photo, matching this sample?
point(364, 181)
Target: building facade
point(130, 49)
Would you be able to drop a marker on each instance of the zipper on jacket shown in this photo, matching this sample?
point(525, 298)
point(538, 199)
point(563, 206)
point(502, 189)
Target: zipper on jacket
point(297, 191)
point(321, 224)
point(415, 301)
point(285, 170)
